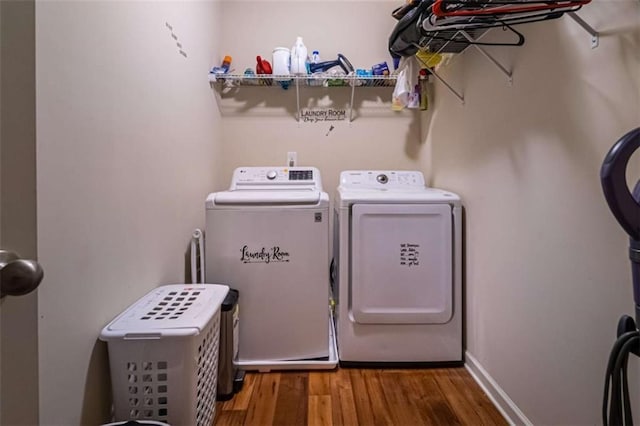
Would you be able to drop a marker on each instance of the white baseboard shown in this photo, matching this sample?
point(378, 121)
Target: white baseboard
point(500, 399)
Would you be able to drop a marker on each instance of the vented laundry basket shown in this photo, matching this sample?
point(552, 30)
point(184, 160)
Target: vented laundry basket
point(163, 355)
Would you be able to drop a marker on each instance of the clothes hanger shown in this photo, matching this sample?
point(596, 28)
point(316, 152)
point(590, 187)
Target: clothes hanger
point(399, 12)
point(457, 37)
point(434, 23)
point(500, 7)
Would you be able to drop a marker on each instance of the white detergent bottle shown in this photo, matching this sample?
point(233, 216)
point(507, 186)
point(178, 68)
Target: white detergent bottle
point(299, 57)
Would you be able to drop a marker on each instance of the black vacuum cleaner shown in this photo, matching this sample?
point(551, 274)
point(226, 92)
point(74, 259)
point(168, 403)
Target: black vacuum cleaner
point(625, 206)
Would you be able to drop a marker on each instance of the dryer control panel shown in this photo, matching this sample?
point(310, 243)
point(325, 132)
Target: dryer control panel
point(278, 177)
point(381, 179)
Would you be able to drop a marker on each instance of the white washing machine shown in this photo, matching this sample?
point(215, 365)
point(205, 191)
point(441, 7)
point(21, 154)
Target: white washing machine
point(398, 270)
point(268, 237)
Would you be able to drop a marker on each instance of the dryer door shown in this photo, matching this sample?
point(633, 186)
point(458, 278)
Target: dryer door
point(401, 259)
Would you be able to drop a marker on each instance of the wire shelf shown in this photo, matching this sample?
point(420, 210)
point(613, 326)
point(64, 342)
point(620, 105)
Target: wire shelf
point(309, 80)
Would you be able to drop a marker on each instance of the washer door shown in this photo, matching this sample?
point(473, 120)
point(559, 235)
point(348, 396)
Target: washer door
point(401, 259)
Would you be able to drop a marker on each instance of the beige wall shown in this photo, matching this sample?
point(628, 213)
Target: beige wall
point(259, 125)
point(127, 148)
point(547, 274)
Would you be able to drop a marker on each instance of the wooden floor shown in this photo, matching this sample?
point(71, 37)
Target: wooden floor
point(360, 397)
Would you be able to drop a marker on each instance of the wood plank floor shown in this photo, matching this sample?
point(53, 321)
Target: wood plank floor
point(402, 397)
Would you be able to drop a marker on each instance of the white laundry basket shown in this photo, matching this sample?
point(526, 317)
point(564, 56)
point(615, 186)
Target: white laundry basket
point(163, 355)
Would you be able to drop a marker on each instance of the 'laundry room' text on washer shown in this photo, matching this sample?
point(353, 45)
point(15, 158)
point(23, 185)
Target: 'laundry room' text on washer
point(274, 254)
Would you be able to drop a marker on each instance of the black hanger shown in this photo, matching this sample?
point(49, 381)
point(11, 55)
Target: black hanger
point(498, 7)
point(456, 36)
point(491, 21)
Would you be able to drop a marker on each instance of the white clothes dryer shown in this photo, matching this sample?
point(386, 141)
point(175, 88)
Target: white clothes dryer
point(398, 270)
point(268, 237)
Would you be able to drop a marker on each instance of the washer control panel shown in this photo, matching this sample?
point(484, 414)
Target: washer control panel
point(244, 177)
point(381, 179)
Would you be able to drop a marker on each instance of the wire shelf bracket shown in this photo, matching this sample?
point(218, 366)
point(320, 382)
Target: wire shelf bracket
point(490, 58)
point(595, 36)
point(458, 95)
point(487, 55)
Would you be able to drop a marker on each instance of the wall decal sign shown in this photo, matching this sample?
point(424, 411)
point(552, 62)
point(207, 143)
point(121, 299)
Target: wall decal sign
point(409, 254)
point(317, 115)
point(264, 255)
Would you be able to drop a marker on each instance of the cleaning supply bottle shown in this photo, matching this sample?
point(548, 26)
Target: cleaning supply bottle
point(423, 82)
point(313, 59)
point(299, 57)
point(226, 63)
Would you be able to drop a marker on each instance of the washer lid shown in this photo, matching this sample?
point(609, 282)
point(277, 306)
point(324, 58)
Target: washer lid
point(253, 197)
point(271, 185)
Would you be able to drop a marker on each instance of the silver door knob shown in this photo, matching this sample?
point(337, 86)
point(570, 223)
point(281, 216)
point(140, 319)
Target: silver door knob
point(18, 276)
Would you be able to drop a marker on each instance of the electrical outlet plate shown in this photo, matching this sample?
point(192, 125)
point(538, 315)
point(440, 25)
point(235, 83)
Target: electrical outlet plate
point(292, 159)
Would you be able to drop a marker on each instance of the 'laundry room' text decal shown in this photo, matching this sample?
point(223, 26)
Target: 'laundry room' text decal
point(274, 254)
point(315, 115)
point(409, 254)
